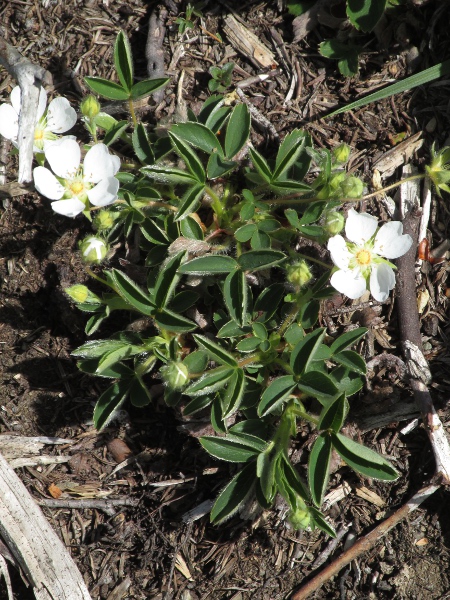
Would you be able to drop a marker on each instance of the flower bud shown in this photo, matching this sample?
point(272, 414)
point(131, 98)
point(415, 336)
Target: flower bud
point(299, 518)
point(341, 154)
point(299, 273)
point(90, 107)
point(333, 222)
point(176, 375)
point(352, 187)
point(79, 293)
point(104, 220)
point(93, 249)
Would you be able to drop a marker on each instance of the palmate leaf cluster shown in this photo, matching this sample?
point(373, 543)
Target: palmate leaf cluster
point(203, 205)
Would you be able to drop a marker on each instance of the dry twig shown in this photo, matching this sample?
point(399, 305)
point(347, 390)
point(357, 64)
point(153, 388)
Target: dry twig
point(30, 78)
point(154, 52)
point(364, 544)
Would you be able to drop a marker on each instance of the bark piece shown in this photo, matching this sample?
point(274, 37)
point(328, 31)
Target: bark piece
point(154, 52)
point(34, 544)
point(248, 44)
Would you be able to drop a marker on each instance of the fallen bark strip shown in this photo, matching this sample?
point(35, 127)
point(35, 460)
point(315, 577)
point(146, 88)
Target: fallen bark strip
point(107, 505)
point(30, 538)
point(365, 543)
point(30, 77)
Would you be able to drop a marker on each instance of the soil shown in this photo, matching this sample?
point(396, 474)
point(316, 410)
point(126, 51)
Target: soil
point(152, 548)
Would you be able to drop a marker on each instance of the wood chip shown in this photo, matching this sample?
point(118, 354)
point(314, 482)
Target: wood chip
point(181, 565)
point(398, 155)
point(248, 44)
point(370, 496)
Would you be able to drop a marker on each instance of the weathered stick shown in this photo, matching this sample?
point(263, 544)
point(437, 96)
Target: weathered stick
point(416, 364)
point(30, 78)
point(42, 556)
point(364, 544)
point(154, 52)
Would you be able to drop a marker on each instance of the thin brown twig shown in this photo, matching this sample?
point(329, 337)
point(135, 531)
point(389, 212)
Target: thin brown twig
point(365, 543)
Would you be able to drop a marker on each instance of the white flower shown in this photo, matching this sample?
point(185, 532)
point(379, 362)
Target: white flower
point(73, 185)
point(93, 249)
point(361, 259)
point(58, 118)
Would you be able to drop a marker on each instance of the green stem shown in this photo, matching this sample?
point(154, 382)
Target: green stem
point(314, 260)
point(289, 319)
point(132, 113)
point(393, 186)
point(216, 204)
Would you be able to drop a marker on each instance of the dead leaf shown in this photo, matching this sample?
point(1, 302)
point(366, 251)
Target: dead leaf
point(54, 491)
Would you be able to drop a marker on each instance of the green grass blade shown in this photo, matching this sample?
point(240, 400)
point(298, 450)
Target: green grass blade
point(409, 83)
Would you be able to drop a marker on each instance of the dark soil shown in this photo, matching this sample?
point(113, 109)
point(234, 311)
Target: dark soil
point(152, 550)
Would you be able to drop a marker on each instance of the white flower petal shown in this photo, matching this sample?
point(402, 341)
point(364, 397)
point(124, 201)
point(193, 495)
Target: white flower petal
point(105, 192)
point(360, 227)
point(9, 122)
point(60, 116)
point(47, 184)
point(382, 280)
point(389, 241)
point(64, 157)
point(350, 283)
point(100, 164)
point(16, 101)
point(69, 208)
point(340, 254)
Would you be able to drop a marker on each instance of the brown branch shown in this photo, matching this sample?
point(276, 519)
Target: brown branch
point(154, 52)
point(107, 505)
point(364, 544)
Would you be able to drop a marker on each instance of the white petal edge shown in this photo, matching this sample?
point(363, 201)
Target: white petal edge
point(340, 254)
point(360, 227)
point(60, 116)
point(9, 122)
point(389, 241)
point(64, 157)
point(68, 208)
point(382, 280)
point(100, 164)
point(105, 192)
point(350, 283)
point(47, 184)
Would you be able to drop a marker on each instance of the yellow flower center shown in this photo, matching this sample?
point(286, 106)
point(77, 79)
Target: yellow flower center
point(76, 187)
point(363, 257)
point(39, 134)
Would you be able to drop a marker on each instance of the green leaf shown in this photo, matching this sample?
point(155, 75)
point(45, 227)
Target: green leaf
point(267, 302)
point(190, 158)
point(231, 330)
point(216, 417)
point(347, 339)
point(289, 483)
point(116, 371)
point(442, 68)
point(217, 119)
point(252, 426)
point(333, 415)
point(348, 382)
point(305, 351)
point(115, 356)
point(97, 348)
point(154, 233)
point(234, 495)
point(123, 61)
point(141, 145)
point(190, 202)
point(167, 319)
point(318, 520)
point(218, 166)
point(115, 132)
point(107, 89)
point(210, 382)
point(105, 121)
point(167, 280)
point(260, 164)
point(139, 393)
point(212, 264)
point(234, 394)
point(288, 152)
point(197, 404)
point(282, 187)
point(232, 448)
point(275, 394)
point(266, 467)
point(196, 361)
point(235, 293)
point(312, 213)
point(363, 459)
point(319, 467)
point(147, 86)
point(129, 291)
point(215, 352)
point(169, 175)
point(365, 14)
point(238, 130)
point(255, 260)
point(318, 384)
point(199, 136)
point(244, 233)
point(109, 403)
point(352, 360)
point(309, 313)
point(249, 344)
point(260, 330)
point(191, 229)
